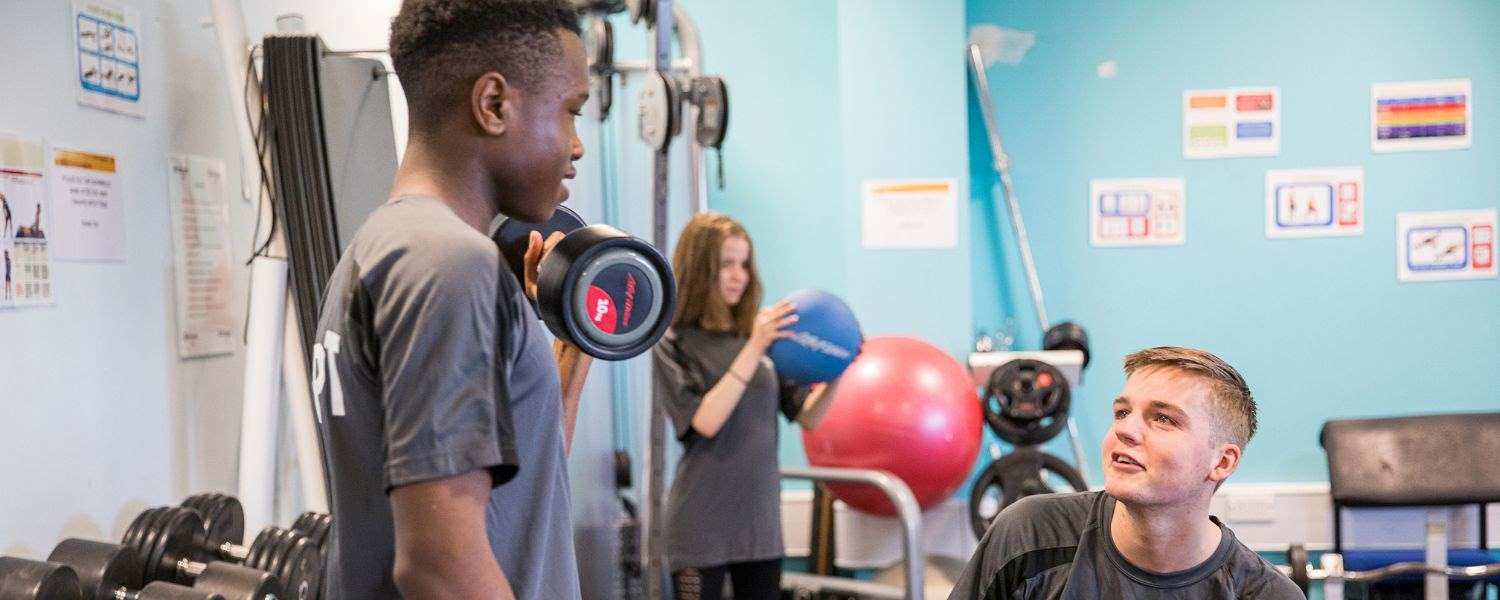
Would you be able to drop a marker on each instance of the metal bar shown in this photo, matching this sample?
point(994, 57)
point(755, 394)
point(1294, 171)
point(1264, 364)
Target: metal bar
point(1484, 526)
point(1435, 586)
point(907, 510)
point(1002, 167)
point(691, 46)
point(641, 66)
point(654, 548)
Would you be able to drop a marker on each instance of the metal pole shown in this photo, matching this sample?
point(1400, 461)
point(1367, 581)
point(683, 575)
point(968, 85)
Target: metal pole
point(691, 45)
point(654, 547)
point(907, 511)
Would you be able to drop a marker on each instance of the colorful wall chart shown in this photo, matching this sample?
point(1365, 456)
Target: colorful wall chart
point(1421, 115)
point(1138, 212)
point(1444, 245)
point(107, 44)
point(25, 261)
point(1315, 202)
point(1231, 122)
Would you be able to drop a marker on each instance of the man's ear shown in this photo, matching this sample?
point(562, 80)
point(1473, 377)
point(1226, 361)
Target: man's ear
point(492, 100)
point(1226, 460)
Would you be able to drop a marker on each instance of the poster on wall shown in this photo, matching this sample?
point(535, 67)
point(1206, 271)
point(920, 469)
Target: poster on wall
point(200, 226)
point(1315, 202)
point(909, 214)
point(25, 261)
point(1231, 122)
point(106, 46)
point(1138, 212)
point(1445, 245)
point(1421, 115)
point(88, 219)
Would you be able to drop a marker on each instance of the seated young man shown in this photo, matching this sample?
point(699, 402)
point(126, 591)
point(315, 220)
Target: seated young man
point(1180, 429)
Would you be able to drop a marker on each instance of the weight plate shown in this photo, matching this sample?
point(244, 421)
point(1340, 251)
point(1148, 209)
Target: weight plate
point(593, 267)
point(1026, 401)
point(26, 579)
point(1067, 335)
point(641, 10)
point(1017, 475)
point(161, 590)
point(315, 526)
point(175, 538)
point(599, 46)
point(712, 97)
point(513, 234)
point(657, 110)
point(223, 519)
point(100, 567)
point(236, 582)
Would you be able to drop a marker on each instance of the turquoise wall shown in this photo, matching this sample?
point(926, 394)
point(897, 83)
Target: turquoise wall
point(1319, 327)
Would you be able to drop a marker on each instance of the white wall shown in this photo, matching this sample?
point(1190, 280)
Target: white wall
point(98, 417)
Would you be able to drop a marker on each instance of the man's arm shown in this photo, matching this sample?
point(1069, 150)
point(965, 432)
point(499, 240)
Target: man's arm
point(442, 550)
point(573, 369)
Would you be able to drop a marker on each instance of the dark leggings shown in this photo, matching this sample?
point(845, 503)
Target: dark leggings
point(760, 580)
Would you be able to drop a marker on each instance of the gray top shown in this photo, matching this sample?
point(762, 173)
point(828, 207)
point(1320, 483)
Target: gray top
point(1059, 546)
point(725, 503)
point(431, 363)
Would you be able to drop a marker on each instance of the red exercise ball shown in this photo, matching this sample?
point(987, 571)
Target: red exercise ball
point(906, 407)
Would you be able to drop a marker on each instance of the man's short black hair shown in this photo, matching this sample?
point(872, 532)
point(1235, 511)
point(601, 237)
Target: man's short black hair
point(440, 46)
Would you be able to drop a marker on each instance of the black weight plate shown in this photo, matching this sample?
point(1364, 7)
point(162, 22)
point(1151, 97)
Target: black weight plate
point(712, 97)
point(600, 46)
point(315, 526)
point(142, 536)
point(101, 567)
point(596, 265)
point(1026, 402)
point(513, 234)
point(278, 556)
point(175, 538)
point(161, 590)
point(223, 519)
point(302, 573)
point(236, 582)
point(622, 469)
point(1067, 335)
point(1017, 475)
point(33, 579)
point(260, 550)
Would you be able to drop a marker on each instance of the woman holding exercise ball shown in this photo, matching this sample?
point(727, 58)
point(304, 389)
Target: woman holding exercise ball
point(711, 374)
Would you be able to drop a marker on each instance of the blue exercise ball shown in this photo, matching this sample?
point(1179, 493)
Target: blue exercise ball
point(825, 339)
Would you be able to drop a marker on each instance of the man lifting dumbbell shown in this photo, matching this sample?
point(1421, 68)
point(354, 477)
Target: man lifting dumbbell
point(1180, 428)
point(432, 376)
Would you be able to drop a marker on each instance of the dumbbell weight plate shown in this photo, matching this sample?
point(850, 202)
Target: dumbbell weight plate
point(513, 234)
point(164, 536)
point(223, 519)
point(609, 293)
point(161, 590)
point(315, 526)
point(1017, 475)
point(236, 582)
point(658, 109)
point(1067, 335)
point(22, 578)
point(291, 557)
point(101, 567)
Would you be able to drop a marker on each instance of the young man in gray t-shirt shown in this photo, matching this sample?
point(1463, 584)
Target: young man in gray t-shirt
point(444, 419)
point(1180, 428)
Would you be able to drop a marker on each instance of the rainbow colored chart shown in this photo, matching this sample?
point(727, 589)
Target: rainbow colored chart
point(1421, 117)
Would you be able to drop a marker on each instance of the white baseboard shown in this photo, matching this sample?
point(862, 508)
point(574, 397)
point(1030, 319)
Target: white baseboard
point(1266, 517)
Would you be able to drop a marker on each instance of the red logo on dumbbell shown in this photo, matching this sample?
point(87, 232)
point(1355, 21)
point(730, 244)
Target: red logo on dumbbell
point(601, 310)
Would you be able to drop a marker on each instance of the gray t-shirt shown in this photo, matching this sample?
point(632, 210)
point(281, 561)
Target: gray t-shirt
point(431, 363)
point(1059, 546)
point(725, 503)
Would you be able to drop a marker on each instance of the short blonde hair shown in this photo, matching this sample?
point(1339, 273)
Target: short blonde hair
point(1233, 407)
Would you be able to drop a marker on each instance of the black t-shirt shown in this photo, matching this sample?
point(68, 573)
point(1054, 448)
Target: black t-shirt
point(1058, 546)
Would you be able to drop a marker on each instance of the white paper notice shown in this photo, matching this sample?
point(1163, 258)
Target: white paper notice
point(24, 253)
point(88, 218)
point(909, 214)
point(1231, 122)
point(1315, 202)
point(1444, 245)
point(107, 44)
point(200, 223)
point(1421, 115)
point(1138, 212)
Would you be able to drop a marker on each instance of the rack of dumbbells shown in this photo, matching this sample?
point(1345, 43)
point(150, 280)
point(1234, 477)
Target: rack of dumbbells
point(188, 552)
point(1025, 404)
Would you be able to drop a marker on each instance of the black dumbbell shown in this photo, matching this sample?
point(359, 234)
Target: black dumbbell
point(224, 530)
point(113, 572)
point(315, 526)
point(608, 293)
point(166, 538)
point(22, 579)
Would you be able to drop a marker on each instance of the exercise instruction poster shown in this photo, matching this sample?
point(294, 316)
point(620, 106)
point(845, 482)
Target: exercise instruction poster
point(107, 48)
point(24, 259)
point(200, 227)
